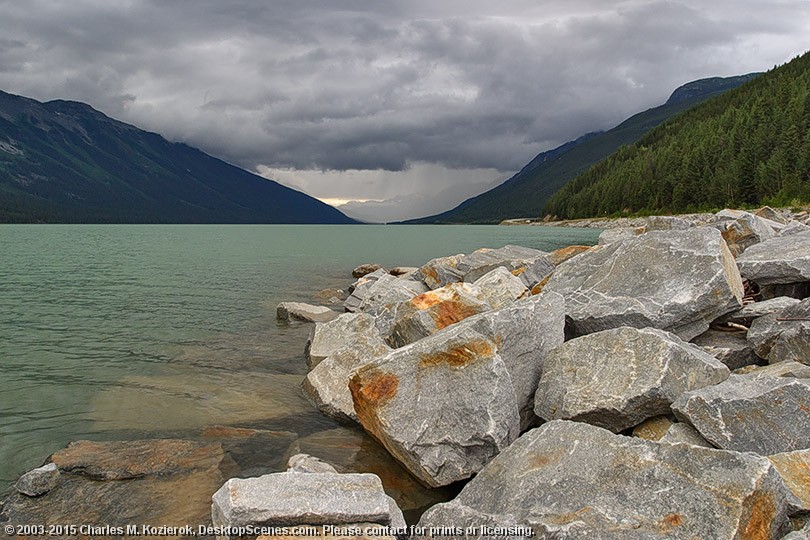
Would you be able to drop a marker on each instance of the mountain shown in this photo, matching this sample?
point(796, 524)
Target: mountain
point(404, 207)
point(747, 147)
point(63, 161)
point(526, 193)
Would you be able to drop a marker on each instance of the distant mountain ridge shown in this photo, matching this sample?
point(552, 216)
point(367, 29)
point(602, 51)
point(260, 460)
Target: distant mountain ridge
point(63, 161)
point(750, 146)
point(525, 194)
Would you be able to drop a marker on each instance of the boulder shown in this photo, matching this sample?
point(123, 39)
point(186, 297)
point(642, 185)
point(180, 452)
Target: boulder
point(568, 480)
point(681, 432)
point(443, 406)
point(803, 534)
point(744, 232)
point(784, 335)
point(730, 214)
point(524, 332)
point(384, 298)
point(559, 256)
point(434, 310)
point(677, 281)
point(327, 385)
point(441, 271)
point(366, 269)
point(304, 463)
point(287, 311)
point(731, 348)
point(38, 481)
point(780, 369)
point(746, 413)
point(327, 338)
point(294, 498)
point(403, 271)
point(766, 212)
point(482, 261)
point(617, 378)
point(653, 428)
point(667, 223)
point(794, 468)
point(794, 227)
point(746, 314)
point(536, 274)
point(779, 260)
point(499, 287)
point(360, 288)
point(608, 236)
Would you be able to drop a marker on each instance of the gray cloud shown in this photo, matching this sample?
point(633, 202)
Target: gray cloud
point(319, 85)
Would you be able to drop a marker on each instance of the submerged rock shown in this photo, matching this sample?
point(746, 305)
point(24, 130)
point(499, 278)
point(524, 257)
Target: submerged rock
point(677, 281)
point(304, 463)
point(748, 413)
point(784, 335)
point(443, 406)
point(38, 481)
point(778, 260)
point(617, 378)
point(287, 311)
point(568, 480)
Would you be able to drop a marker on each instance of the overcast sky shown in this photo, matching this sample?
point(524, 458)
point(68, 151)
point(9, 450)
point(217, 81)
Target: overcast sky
point(350, 99)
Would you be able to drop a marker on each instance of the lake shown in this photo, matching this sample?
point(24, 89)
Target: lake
point(145, 331)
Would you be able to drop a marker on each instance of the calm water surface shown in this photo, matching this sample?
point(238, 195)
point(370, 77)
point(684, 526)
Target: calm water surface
point(136, 331)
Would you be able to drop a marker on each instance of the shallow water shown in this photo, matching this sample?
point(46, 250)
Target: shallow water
point(133, 331)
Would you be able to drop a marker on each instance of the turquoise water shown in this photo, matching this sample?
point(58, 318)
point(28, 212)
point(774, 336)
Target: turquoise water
point(128, 331)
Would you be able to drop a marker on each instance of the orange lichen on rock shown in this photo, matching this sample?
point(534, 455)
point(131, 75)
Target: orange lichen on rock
point(561, 255)
point(459, 355)
point(428, 299)
point(451, 312)
point(760, 520)
point(538, 288)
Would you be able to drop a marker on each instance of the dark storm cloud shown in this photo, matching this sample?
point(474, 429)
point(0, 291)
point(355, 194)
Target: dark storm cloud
point(356, 85)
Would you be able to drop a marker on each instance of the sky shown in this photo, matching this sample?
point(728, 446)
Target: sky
point(383, 99)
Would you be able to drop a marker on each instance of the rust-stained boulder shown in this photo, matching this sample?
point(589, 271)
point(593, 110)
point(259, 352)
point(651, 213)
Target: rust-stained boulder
point(794, 468)
point(385, 297)
point(499, 287)
point(678, 281)
point(750, 413)
point(443, 406)
point(568, 480)
point(441, 271)
point(746, 231)
point(327, 385)
point(617, 378)
point(434, 310)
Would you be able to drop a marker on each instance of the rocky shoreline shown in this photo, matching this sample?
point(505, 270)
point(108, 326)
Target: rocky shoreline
point(656, 385)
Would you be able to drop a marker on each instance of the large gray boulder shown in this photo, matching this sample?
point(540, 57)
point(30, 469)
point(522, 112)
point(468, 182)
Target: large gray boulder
point(295, 498)
point(434, 310)
point(678, 281)
point(568, 480)
point(778, 260)
point(525, 333)
point(300, 311)
point(608, 236)
point(482, 261)
point(443, 406)
point(327, 338)
point(360, 288)
point(618, 378)
point(731, 348)
point(384, 298)
point(749, 413)
point(746, 314)
point(499, 287)
point(794, 227)
point(745, 231)
point(784, 335)
point(441, 271)
point(327, 385)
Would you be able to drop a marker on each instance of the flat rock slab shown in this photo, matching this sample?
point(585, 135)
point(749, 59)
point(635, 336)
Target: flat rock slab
point(678, 281)
point(568, 480)
point(618, 378)
point(155, 490)
point(747, 413)
point(783, 336)
point(778, 260)
point(287, 311)
point(443, 406)
point(292, 498)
